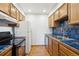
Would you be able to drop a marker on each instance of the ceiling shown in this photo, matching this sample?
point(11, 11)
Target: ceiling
point(37, 8)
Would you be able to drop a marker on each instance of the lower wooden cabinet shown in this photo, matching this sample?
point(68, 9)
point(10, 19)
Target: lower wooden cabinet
point(7, 52)
point(65, 51)
point(62, 53)
point(55, 48)
point(50, 46)
point(58, 48)
point(21, 51)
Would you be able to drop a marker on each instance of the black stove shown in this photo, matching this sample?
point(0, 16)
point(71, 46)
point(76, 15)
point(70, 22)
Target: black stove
point(5, 38)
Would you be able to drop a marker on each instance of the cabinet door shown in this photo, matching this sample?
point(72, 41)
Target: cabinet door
point(9, 53)
point(21, 17)
point(53, 24)
point(49, 21)
point(18, 15)
point(63, 10)
point(56, 15)
point(13, 11)
point(5, 7)
point(73, 13)
point(21, 51)
point(62, 53)
point(67, 51)
point(55, 48)
point(50, 46)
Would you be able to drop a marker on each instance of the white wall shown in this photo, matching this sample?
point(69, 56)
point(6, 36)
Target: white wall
point(2, 29)
point(21, 30)
point(39, 24)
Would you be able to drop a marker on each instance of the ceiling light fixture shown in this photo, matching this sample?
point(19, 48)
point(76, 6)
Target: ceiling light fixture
point(44, 11)
point(29, 10)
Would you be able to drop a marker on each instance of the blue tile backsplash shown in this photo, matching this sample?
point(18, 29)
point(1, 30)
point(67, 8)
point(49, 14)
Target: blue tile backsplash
point(67, 30)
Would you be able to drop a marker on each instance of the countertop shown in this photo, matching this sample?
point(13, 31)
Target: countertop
point(68, 41)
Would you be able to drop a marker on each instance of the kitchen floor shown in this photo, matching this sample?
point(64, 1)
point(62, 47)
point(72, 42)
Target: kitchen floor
point(38, 51)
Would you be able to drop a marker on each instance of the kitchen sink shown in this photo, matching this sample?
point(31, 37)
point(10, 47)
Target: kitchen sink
point(62, 38)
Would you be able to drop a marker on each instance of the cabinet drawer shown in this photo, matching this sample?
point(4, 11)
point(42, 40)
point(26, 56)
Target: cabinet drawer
point(67, 51)
point(5, 7)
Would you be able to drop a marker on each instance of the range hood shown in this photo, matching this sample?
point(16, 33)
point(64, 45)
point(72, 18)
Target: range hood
point(7, 19)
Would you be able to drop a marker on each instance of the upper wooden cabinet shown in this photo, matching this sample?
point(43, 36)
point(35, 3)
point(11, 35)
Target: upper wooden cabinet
point(21, 17)
point(63, 10)
point(10, 10)
point(56, 15)
point(5, 8)
point(52, 22)
point(73, 13)
point(13, 11)
point(49, 21)
point(18, 15)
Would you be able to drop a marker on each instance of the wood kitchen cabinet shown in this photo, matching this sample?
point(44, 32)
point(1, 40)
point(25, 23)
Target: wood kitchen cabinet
point(58, 48)
point(55, 48)
point(56, 15)
point(52, 22)
point(63, 11)
point(13, 12)
point(18, 15)
point(73, 13)
point(5, 8)
point(7, 52)
point(61, 53)
point(50, 46)
point(21, 51)
point(21, 17)
point(66, 51)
